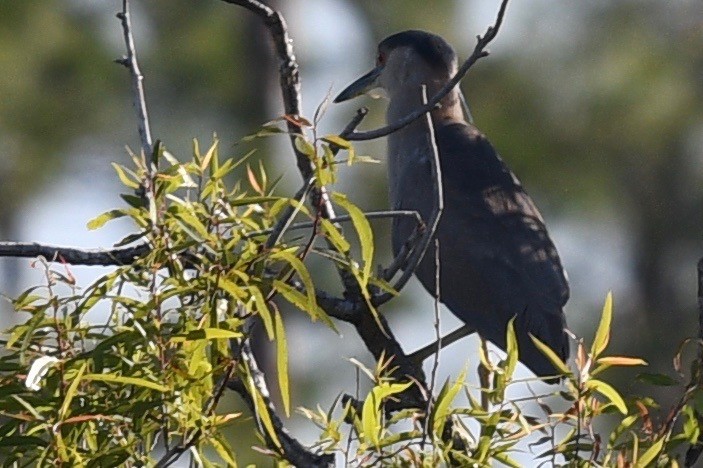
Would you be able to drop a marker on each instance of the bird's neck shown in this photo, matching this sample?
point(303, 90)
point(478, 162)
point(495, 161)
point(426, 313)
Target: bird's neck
point(408, 100)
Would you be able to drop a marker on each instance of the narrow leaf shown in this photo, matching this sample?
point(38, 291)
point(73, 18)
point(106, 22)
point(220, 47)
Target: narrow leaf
point(262, 413)
point(99, 221)
point(551, 355)
point(205, 334)
point(303, 274)
point(609, 392)
point(71, 392)
point(282, 362)
point(621, 361)
point(511, 349)
point(651, 454)
point(600, 341)
point(363, 230)
point(442, 408)
point(126, 381)
point(124, 178)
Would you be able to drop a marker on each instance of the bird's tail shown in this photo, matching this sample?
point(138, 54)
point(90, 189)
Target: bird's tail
point(549, 329)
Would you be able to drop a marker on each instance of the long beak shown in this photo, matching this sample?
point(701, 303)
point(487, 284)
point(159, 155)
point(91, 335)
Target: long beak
point(363, 85)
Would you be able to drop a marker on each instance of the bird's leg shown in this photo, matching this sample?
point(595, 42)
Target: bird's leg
point(423, 353)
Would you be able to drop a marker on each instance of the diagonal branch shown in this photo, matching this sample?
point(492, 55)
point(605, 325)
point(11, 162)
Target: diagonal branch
point(290, 449)
point(478, 53)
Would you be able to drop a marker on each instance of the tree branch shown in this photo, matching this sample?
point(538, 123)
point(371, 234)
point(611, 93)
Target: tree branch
point(74, 256)
point(290, 449)
point(478, 53)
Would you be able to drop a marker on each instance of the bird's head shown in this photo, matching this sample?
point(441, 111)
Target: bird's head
point(405, 61)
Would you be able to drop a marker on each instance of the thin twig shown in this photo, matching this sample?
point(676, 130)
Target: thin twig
point(478, 53)
point(423, 353)
point(286, 218)
point(130, 62)
point(393, 214)
point(438, 337)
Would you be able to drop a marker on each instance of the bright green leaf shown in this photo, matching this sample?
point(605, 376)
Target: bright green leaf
point(205, 334)
point(71, 392)
point(282, 362)
point(600, 341)
point(363, 230)
point(651, 454)
point(126, 381)
point(99, 221)
point(551, 355)
point(442, 407)
point(124, 178)
point(609, 392)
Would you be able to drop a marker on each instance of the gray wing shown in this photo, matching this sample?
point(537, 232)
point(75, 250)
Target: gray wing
point(497, 260)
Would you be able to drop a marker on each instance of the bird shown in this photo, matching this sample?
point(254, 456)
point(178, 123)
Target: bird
point(496, 259)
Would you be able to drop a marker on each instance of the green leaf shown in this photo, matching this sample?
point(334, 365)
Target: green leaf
point(205, 334)
point(337, 141)
point(609, 392)
point(282, 362)
point(301, 301)
point(210, 152)
point(71, 392)
point(126, 381)
point(506, 460)
point(334, 236)
point(651, 454)
point(99, 221)
point(303, 274)
point(442, 408)
point(124, 178)
point(223, 449)
point(371, 411)
point(363, 230)
point(263, 310)
point(511, 349)
point(232, 288)
point(262, 412)
point(305, 147)
point(600, 341)
point(551, 355)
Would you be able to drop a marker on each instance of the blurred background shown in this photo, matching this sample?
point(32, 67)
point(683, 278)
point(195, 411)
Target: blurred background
point(597, 107)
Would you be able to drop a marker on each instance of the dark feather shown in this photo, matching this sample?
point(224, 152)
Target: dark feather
point(497, 260)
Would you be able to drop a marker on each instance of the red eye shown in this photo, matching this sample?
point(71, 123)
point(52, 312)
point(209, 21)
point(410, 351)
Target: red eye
point(381, 59)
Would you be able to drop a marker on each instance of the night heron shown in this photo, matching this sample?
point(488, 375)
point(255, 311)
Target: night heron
point(496, 258)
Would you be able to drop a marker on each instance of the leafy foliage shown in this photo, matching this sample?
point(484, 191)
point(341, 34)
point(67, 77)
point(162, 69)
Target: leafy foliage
point(149, 376)
point(142, 386)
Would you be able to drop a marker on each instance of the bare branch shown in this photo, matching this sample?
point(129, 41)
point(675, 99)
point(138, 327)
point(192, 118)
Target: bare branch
point(478, 53)
point(287, 70)
point(423, 353)
point(130, 62)
point(74, 256)
point(284, 222)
